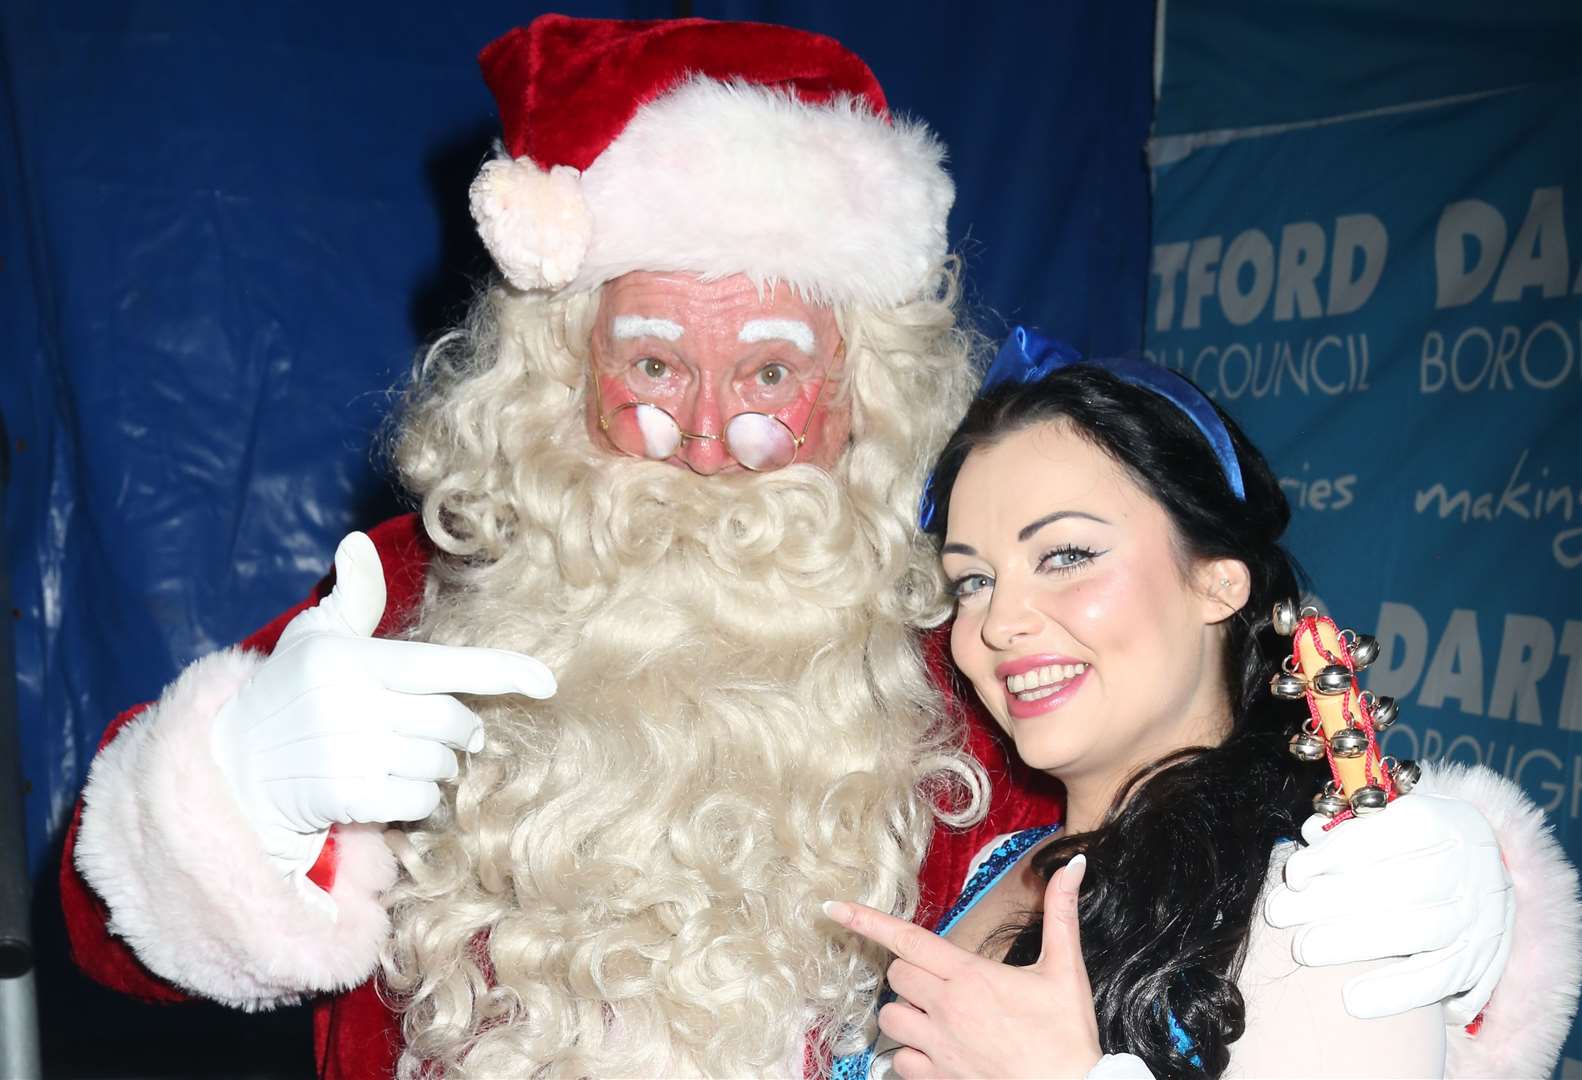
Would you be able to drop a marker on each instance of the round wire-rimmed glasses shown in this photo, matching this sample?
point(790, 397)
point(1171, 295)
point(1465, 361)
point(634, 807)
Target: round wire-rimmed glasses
point(757, 441)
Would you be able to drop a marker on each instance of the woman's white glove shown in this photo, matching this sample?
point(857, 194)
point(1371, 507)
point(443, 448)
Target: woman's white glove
point(339, 726)
point(1422, 880)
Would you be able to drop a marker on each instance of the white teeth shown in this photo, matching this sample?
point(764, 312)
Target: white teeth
point(1041, 682)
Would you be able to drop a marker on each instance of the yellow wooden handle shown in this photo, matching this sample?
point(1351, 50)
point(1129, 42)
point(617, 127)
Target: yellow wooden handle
point(1332, 708)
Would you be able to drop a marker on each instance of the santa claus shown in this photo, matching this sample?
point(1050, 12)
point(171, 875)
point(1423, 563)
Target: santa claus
point(647, 677)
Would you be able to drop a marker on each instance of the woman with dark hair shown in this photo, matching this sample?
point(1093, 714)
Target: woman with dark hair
point(1112, 541)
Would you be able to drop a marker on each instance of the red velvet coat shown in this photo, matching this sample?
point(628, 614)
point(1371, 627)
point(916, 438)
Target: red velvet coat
point(356, 1037)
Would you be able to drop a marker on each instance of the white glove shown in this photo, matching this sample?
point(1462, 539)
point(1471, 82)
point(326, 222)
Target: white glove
point(338, 726)
point(1423, 880)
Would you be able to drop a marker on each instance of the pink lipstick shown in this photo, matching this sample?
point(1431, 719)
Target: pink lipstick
point(1035, 685)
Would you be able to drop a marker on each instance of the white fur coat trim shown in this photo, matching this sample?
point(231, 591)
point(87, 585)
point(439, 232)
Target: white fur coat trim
point(188, 886)
point(1529, 1015)
point(717, 179)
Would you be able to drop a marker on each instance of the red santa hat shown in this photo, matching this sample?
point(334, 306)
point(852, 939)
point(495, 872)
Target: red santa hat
point(705, 147)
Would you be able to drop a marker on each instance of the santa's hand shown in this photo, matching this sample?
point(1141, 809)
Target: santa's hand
point(339, 726)
point(1422, 880)
point(964, 1015)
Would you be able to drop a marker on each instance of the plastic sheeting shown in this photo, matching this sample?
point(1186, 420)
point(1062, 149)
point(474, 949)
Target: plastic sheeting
point(230, 229)
point(227, 228)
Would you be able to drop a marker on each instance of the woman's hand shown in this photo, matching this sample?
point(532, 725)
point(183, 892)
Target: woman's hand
point(967, 1016)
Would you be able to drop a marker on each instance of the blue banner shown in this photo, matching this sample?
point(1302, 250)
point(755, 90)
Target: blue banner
point(1390, 301)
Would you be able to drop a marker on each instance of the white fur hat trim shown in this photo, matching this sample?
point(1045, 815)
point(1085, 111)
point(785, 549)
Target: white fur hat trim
point(534, 223)
point(716, 179)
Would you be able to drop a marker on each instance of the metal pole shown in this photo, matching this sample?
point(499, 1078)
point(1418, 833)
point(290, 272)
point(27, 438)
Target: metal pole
point(19, 1044)
point(19, 1053)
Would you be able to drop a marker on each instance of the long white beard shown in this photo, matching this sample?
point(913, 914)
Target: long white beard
point(627, 879)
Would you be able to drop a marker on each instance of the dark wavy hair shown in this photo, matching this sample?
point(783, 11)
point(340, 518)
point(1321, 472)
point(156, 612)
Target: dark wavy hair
point(1176, 866)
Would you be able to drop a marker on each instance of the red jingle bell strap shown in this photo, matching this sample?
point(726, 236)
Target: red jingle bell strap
point(1344, 721)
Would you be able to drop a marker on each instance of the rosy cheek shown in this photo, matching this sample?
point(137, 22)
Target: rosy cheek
point(1098, 604)
point(962, 636)
point(613, 391)
point(827, 434)
point(612, 394)
point(660, 436)
point(970, 655)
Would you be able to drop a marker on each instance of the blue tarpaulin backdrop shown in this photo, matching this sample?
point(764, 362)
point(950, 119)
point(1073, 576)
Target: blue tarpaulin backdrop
point(229, 229)
point(226, 230)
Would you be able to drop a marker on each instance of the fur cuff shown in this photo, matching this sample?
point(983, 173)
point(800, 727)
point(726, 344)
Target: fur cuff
point(187, 883)
point(1526, 1020)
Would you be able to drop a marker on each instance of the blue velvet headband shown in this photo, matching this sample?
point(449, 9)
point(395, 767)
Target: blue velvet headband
point(1027, 356)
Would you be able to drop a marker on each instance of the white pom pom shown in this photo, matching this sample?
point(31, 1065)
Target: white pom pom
point(535, 223)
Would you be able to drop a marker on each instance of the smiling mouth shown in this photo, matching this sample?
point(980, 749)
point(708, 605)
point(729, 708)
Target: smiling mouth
point(1043, 682)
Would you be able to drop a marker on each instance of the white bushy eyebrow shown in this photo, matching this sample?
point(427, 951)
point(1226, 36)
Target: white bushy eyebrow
point(795, 331)
point(626, 327)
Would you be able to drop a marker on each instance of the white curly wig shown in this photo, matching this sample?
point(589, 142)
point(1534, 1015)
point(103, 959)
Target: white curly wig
point(626, 880)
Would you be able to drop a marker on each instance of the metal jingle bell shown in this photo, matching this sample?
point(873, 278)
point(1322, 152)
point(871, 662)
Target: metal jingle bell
point(1364, 651)
point(1349, 743)
point(1384, 712)
point(1334, 679)
point(1285, 618)
point(1305, 746)
point(1329, 803)
point(1406, 774)
point(1286, 685)
point(1368, 800)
